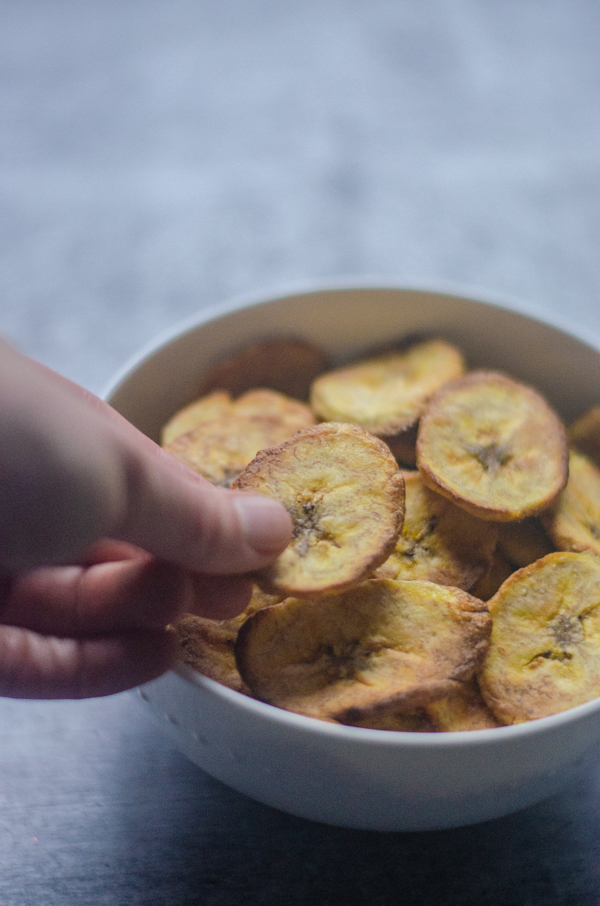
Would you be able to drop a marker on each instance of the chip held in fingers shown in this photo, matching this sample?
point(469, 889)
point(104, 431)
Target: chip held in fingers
point(381, 646)
point(345, 494)
point(493, 446)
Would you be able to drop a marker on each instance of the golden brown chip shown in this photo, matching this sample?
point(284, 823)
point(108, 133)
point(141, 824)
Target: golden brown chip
point(439, 541)
point(544, 654)
point(524, 542)
point(260, 403)
point(208, 645)
point(272, 404)
point(345, 494)
point(499, 571)
point(463, 709)
point(208, 408)
point(573, 522)
point(380, 647)
point(220, 447)
point(493, 446)
point(286, 364)
point(386, 394)
point(584, 435)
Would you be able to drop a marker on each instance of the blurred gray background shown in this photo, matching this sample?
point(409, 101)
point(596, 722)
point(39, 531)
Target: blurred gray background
point(159, 156)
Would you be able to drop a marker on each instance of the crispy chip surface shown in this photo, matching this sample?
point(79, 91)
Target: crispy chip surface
point(208, 645)
point(493, 446)
point(286, 364)
point(544, 654)
point(584, 435)
point(345, 494)
point(387, 393)
point(210, 407)
point(220, 447)
point(439, 542)
point(380, 647)
point(573, 522)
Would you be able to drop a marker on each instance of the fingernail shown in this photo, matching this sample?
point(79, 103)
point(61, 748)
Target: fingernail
point(267, 526)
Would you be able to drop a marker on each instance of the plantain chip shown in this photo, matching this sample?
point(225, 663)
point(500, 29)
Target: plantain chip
point(286, 364)
point(524, 542)
point(208, 645)
point(493, 446)
point(573, 522)
point(380, 647)
point(584, 435)
point(544, 654)
point(345, 494)
point(463, 709)
point(387, 393)
point(208, 408)
point(439, 541)
point(220, 447)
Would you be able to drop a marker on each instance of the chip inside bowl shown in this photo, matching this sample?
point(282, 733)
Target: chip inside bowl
point(493, 446)
point(380, 647)
point(544, 654)
point(490, 452)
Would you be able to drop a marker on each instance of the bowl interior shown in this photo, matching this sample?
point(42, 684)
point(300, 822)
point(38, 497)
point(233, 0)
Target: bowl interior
point(348, 321)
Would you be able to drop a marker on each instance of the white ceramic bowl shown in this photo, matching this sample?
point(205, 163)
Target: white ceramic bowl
point(344, 775)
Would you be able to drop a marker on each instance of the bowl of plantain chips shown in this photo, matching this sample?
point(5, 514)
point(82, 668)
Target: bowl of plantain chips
point(426, 652)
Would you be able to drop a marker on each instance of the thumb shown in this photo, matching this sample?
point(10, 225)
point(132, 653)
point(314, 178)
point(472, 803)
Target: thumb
point(178, 516)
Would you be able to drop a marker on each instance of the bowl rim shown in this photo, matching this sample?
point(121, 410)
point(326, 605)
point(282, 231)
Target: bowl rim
point(298, 722)
point(471, 293)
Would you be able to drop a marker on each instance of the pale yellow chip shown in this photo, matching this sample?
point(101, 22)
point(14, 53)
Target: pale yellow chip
point(208, 408)
point(493, 446)
point(218, 405)
point(380, 647)
point(573, 522)
point(584, 435)
point(544, 654)
point(439, 542)
point(345, 494)
point(223, 442)
point(387, 393)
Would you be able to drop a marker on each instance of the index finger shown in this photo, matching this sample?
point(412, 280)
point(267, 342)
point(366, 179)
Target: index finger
point(72, 470)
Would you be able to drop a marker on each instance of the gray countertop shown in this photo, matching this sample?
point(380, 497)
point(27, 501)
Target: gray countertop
point(161, 156)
